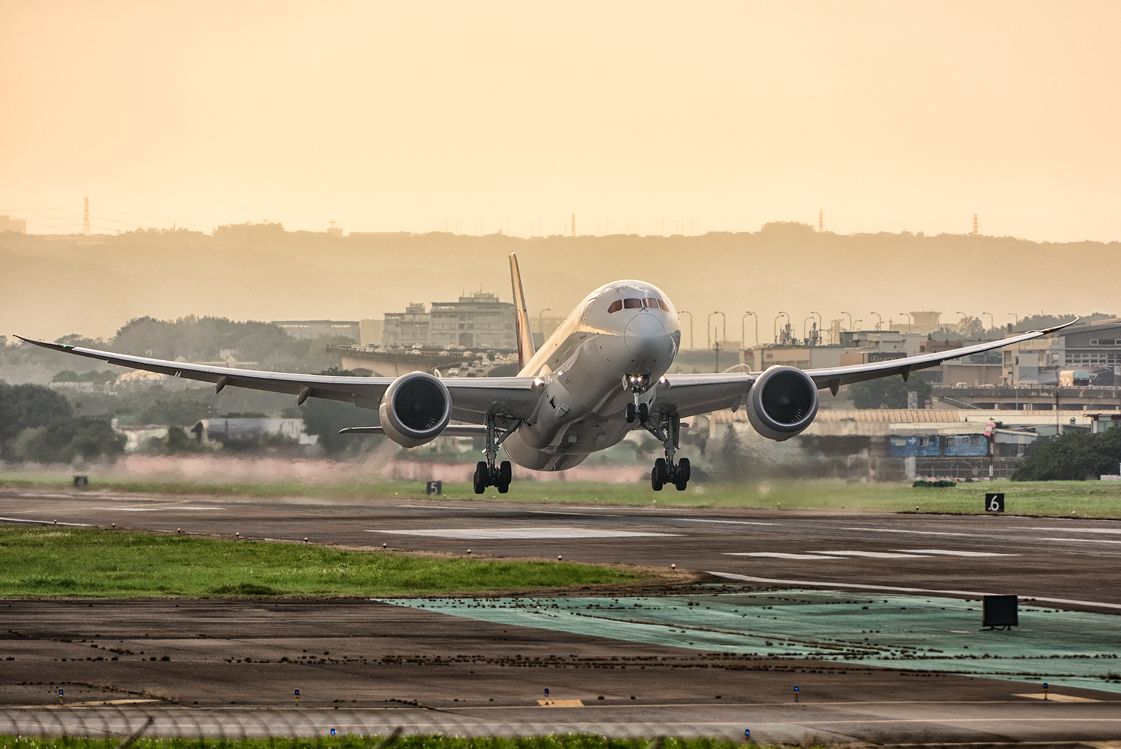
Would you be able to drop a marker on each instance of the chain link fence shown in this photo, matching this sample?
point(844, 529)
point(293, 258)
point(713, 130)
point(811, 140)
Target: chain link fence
point(381, 728)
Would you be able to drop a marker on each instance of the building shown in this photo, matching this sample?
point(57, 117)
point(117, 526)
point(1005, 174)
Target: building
point(1095, 348)
point(8, 223)
point(477, 321)
point(309, 330)
point(406, 328)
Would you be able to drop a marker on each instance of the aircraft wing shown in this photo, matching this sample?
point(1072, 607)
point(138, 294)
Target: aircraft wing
point(472, 397)
point(688, 395)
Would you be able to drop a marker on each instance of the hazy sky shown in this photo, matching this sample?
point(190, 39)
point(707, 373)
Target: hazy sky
point(487, 115)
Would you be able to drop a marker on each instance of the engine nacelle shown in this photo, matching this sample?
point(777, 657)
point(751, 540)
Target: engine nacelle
point(415, 409)
point(782, 403)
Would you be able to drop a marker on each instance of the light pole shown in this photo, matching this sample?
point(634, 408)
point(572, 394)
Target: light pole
point(708, 325)
point(1016, 318)
point(991, 324)
point(820, 324)
point(541, 322)
point(806, 328)
point(780, 314)
point(910, 320)
point(879, 320)
point(850, 318)
point(743, 335)
point(681, 312)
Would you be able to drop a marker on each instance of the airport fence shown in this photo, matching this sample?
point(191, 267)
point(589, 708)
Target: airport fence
point(117, 726)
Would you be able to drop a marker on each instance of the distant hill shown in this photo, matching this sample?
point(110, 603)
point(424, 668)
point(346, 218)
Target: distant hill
point(52, 286)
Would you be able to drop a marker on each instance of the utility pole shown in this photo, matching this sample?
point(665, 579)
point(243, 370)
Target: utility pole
point(86, 216)
point(975, 231)
point(574, 224)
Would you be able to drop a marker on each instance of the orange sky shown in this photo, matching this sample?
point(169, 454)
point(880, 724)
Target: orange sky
point(637, 116)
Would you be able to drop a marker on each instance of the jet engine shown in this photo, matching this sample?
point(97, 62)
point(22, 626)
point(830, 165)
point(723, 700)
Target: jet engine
point(415, 409)
point(782, 403)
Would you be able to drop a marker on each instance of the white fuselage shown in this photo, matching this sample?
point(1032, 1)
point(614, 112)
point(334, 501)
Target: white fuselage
point(622, 329)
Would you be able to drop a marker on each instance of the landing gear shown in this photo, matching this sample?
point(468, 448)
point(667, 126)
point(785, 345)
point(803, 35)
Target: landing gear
point(486, 472)
point(642, 410)
point(665, 471)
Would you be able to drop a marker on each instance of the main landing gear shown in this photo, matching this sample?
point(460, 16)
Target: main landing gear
point(486, 472)
point(666, 471)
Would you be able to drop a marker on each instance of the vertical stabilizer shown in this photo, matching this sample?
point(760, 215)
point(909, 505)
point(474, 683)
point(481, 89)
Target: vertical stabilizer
point(521, 317)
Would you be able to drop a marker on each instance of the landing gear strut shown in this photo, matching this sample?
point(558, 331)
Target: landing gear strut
point(486, 472)
point(666, 471)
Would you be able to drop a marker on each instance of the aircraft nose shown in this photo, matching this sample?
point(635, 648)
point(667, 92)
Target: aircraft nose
point(646, 337)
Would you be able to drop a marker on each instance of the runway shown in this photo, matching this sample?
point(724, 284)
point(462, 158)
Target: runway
point(478, 671)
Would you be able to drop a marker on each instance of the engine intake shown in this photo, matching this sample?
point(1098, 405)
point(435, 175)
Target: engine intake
point(782, 403)
point(415, 409)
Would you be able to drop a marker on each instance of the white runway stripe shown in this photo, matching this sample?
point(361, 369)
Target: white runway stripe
point(777, 555)
point(873, 554)
point(957, 553)
point(727, 522)
point(1075, 530)
point(497, 534)
point(917, 533)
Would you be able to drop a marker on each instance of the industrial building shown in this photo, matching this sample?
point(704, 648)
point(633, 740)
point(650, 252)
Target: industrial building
point(476, 321)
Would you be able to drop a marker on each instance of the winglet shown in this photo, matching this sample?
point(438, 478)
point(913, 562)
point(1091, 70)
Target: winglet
point(526, 349)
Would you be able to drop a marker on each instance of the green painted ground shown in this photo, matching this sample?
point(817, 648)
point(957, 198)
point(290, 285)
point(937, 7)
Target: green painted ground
point(52, 561)
point(1095, 499)
point(1064, 648)
point(570, 741)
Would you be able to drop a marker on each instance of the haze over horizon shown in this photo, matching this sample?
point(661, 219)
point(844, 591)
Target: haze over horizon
point(638, 117)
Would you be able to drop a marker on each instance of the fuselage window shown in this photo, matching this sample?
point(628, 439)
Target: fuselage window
point(663, 305)
point(632, 303)
point(615, 306)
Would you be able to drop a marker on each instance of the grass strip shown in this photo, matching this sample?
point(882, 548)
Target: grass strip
point(56, 561)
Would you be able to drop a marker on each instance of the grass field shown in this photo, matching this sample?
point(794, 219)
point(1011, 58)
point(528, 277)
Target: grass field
point(53, 561)
point(1098, 499)
point(568, 741)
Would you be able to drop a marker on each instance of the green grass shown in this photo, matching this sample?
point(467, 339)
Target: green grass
point(566, 741)
point(56, 561)
point(1099, 499)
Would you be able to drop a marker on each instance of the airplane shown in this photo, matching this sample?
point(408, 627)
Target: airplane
point(603, 373)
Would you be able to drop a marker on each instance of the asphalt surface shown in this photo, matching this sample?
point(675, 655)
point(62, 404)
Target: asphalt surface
point(231, 667)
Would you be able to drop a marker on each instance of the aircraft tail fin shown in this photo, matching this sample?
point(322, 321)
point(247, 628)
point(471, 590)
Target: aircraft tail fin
point(526, 349)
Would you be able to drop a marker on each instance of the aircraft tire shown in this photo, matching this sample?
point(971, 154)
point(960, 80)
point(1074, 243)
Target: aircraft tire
point(478, 481)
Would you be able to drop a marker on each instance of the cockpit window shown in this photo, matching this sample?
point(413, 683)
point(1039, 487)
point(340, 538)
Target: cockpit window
point(649, 302)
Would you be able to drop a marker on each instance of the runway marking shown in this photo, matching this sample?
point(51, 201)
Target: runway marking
point(500, 534)
point(893, 554)
point(728, 522)
point(1075, 530)
point(874, 554)
point(901, 589)
point(574, 514)
point(1055, 697)
point(959, 553)
point(778, 555)
point(919, 533)
point(1082, 540)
